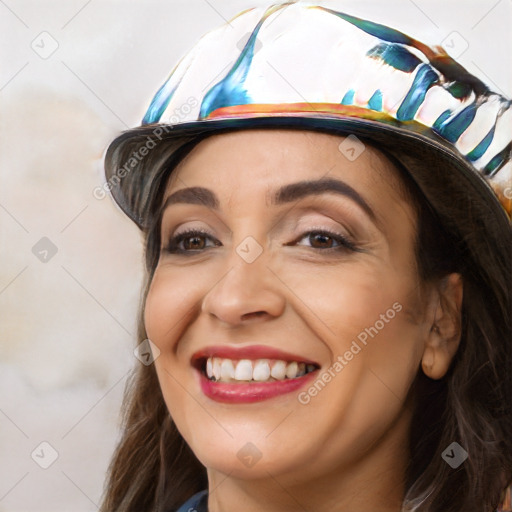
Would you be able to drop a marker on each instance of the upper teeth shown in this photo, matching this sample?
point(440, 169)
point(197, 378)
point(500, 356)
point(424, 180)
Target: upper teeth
point(260, 370)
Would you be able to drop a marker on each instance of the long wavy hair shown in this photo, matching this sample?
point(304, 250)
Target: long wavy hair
point(153, 468)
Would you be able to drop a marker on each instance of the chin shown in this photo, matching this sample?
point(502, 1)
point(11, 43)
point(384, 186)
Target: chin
point(242, 458)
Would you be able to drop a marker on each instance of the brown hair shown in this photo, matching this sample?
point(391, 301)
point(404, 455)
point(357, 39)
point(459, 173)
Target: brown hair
point(153, 469)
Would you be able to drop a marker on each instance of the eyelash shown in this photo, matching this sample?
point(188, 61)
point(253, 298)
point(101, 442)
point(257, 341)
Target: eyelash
point(344, 242)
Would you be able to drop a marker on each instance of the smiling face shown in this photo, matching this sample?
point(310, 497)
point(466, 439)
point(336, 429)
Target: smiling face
point(297, 255)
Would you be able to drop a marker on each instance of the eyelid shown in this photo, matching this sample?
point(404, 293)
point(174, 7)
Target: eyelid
point(325, 210)
point(185, 226)
point(191, 229)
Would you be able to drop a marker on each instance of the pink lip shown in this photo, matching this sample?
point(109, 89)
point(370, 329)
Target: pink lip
point(238, 393)
point(254, 392)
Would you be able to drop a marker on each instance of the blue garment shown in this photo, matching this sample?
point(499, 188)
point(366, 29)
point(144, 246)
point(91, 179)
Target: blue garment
point(197, 503)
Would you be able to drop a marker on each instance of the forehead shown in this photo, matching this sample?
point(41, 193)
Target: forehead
point(256, 161)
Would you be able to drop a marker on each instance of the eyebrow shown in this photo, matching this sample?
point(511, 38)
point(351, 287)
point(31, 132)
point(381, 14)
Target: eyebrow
point(285, 194)
point(193, 195)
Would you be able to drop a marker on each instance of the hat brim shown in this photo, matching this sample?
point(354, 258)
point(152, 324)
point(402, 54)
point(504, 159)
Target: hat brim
point(132, 173)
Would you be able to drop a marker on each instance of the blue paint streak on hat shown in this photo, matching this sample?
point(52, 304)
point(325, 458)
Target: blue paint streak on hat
point(375, 102)
point(230, 90)
point(453, 127)
point(159, 103)
point(459, 90)
point(424, 79)
point(440, 120)
point(374, 29)
point(396, 56)
point(481, 147)
point(348, 99)
point(498, 161)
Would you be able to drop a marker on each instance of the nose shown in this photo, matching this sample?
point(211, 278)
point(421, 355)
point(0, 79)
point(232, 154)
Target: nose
point(248, 292)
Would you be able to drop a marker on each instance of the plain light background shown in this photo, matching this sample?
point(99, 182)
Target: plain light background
point(67, 324)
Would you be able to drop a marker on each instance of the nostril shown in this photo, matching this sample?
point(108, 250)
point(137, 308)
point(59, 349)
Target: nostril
point(255, 314)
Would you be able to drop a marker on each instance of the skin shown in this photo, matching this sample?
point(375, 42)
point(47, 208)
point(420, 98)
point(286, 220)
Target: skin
point(346, 449)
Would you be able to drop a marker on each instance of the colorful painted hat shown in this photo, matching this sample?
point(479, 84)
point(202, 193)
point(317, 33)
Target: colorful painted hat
point(306, 66)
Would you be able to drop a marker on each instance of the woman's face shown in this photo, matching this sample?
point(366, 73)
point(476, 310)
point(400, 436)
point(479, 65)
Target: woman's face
point(302, 261)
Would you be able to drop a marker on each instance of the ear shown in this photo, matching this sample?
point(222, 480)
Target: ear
point(445, 330)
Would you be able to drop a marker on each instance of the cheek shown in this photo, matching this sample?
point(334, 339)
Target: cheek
point(375, 347)
point(369, 316)
point(169, 302)
point(165, 310)
point(156, 312)
point(348, 299)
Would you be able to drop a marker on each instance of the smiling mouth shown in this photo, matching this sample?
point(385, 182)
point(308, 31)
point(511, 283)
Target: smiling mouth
point(245, 371)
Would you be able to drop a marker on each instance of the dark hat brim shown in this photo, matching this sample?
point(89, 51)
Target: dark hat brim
point(133, 173)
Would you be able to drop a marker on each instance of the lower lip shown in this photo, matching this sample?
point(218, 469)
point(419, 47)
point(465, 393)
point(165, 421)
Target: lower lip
point(253, 392)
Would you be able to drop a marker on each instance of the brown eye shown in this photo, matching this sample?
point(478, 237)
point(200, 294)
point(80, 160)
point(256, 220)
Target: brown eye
point(193, 242)
point(321, 241)
point(327, 241)
point(190, 242)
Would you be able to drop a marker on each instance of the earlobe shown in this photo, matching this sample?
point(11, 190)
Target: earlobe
point(445, 328)
point(427, 361)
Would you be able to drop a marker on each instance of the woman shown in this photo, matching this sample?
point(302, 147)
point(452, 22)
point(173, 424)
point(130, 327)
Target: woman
point(326, 212)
